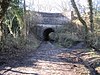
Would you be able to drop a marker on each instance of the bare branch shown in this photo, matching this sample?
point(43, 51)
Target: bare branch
point(78, 14)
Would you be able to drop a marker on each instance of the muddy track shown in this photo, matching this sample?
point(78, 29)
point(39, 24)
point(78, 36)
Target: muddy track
point(49, 60)
point(86, 64)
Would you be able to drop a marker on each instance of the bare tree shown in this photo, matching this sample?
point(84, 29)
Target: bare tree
point(96, 5)
point(24, 30)
point(91, 15)
point(88, 39)
point(81, 20)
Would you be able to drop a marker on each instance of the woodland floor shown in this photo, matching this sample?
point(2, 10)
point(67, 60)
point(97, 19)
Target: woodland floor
point(49, 60)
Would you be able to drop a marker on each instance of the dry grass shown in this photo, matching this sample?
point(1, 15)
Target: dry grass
point(17, 47)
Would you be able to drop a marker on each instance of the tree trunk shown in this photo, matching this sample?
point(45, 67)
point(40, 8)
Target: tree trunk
point(91, 15)
point(24, 32)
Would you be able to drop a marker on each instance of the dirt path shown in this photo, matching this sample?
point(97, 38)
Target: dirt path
point(47, 60)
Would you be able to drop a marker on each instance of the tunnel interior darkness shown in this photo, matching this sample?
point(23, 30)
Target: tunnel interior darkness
point(46, 33)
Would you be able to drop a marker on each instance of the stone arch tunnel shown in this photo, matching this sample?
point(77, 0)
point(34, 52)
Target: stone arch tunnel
point(46, 33)
point(47, 23)
point(43, 33)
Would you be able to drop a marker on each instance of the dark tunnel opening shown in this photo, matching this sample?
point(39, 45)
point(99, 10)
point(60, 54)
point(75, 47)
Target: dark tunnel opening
point(46, 33)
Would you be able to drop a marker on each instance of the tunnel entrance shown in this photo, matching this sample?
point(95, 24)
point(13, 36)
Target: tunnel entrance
point(46, 33)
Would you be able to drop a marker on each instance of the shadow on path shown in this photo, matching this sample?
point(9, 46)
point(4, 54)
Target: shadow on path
point(48, 58)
